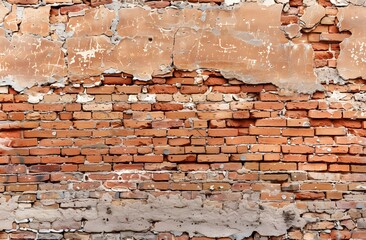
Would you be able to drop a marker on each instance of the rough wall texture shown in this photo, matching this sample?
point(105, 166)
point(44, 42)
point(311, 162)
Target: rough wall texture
point(181, 120)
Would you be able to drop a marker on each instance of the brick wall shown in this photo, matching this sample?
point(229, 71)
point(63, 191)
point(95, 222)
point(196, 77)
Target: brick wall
point(185, 155)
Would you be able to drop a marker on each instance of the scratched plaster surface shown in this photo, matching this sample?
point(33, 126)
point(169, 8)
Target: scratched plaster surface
point(26, 60)
point(352, 58)
point(235, 41)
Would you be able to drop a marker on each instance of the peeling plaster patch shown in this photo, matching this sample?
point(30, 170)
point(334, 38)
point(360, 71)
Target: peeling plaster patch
point(254, 50)
point(312, 16)
point(352, 59)
point(97, 21)
point(237, 42)
point(36, 21)
point(153, 42)
point(28, 60)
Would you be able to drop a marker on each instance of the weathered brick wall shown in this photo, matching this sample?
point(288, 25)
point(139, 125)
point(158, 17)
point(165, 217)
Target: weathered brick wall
point(88, 152)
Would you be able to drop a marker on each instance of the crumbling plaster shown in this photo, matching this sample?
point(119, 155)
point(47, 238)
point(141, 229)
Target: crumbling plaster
point(236, 219)
point(236, 41)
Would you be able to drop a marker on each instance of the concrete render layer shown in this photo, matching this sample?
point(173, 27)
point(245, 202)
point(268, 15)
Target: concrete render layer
point(173, 213)
point(236, 41)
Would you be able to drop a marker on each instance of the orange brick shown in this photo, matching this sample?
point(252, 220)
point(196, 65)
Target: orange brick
point(316, 186)
point(331, 114)
point(101, 90)
point(45, 151)
point(193, 167)
point(240, 140)
point(162, 89)
point(213, 158)
point(214, 115)
point(298, 122)
point(222, 132)
point(241, 105)
point(272, 140)
point(351, 159)
point(241, 115)
point(268, 96)
point(322, 158)
point(182, 186)
point(333, 37)
point(193, 89)
point(265, 148)
point(148, 158)
point(297, 149)
point(269, 105)
point(331, 149)
point(308, 132)
point(17, 107)
point(265, 131)
point(331, 131)
point(339, 168)
point(301, 105)
point(226, 89)
point(267, 122)
point(22, 187)
point(313, 166)
point(278, 166)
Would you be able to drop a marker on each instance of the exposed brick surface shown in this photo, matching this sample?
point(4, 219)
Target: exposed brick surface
point(185, 154)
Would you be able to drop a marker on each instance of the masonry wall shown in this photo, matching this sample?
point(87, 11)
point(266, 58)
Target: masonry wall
point(171, 120)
